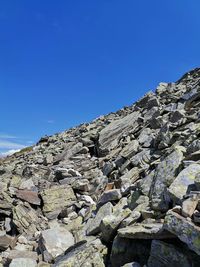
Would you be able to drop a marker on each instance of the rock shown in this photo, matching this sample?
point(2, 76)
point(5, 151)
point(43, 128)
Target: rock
point(110, 223)
point(189, 205)
point(23, 262)
point(185, 230)
point(17, 254)
point(6, 240)
point(93, 224)
point(197, 181)
point(54, 242)
point(184, 183)
point(56, 198)
point(127, 250)
point(89, 254)
point(110, 135)
point(164, 176)
point(130, 149)
point(164, 255)
point(145, 231)
point(29, 196)
point(132, 264)
point(110, 195)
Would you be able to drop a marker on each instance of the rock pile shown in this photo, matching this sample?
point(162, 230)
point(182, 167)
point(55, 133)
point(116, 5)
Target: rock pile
point(123, 190)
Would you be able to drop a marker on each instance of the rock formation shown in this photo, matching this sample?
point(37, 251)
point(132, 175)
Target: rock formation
point(123, 190)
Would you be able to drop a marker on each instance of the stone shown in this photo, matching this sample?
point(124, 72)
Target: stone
point(127, 250)
point(145, 231)
point(17, 254)
point(6, 240)
point(189, 205)
point(184, 183)
point(165, 174)
point(185, 230)
point(110, 224)
point(132, 264)
point(91, 253)
point(130, 149)
point(54, 242)
point(93, 224)
point(27, 219)
point(23, 262)
point(164, 255)
point(109, 136)
point(197, 181)
point(57, 198)
point(29, 196)
point(110, 195)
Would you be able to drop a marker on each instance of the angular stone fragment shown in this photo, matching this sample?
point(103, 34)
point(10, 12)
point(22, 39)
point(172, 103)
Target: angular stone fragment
point(89, 254)
point(145, 231)
point(185, 230)
point(54, 242)
point(189, 205)
point(17, 254)
point(110, 195)
point(6, 240)
point(184, 182)
point(23, 262)
point(56, 198)
point(29, 196)
point(132, 264)
point(93, 224)
point(164, 175)
point(165, 255)
point(130, 149)
point(27, 219)
point(110, 223)
point(110, 135)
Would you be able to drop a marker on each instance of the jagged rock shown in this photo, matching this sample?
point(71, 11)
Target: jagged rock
point(110, 135)
point(189, 205)
point(28, 220)
point(164, 255)
point(110, 223)
point(130, 149)
point(29, 196)
point(110, 195)
point(23, 262)
point(56, 198)
point(184, 183)
point(6, 240)
point(89, 254)
point(164, 176)
point(145, 231)
point(17, 254)
point(54, 242)
point(93, 224)
point(185, 230)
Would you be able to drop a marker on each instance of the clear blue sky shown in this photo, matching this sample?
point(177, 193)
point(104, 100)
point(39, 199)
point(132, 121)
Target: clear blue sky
point(65, 62)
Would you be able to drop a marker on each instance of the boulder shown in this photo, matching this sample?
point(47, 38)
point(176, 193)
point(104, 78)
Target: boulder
point(184, 183)
point(54, 242)
point(23, 262)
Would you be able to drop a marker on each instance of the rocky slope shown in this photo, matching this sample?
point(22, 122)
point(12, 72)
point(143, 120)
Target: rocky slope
point(123, 190)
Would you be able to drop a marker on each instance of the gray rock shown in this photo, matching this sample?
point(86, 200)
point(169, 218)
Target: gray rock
point(54, 242)
point(184, 183)
point(23, 262)
point(110, 195)
point(93, 224)
point(185, 230)
point(164, 255)
point(165, 174)
point(110, 135)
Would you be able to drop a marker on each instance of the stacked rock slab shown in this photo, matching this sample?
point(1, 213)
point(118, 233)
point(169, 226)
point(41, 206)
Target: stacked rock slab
point(123, 190)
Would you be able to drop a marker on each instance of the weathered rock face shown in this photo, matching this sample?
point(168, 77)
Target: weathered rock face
point(123, 190)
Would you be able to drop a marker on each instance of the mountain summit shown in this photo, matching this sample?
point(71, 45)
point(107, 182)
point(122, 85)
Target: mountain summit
point(123, 190)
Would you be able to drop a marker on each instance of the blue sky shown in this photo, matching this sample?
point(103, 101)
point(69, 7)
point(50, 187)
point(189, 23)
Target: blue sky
point(66, 62)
